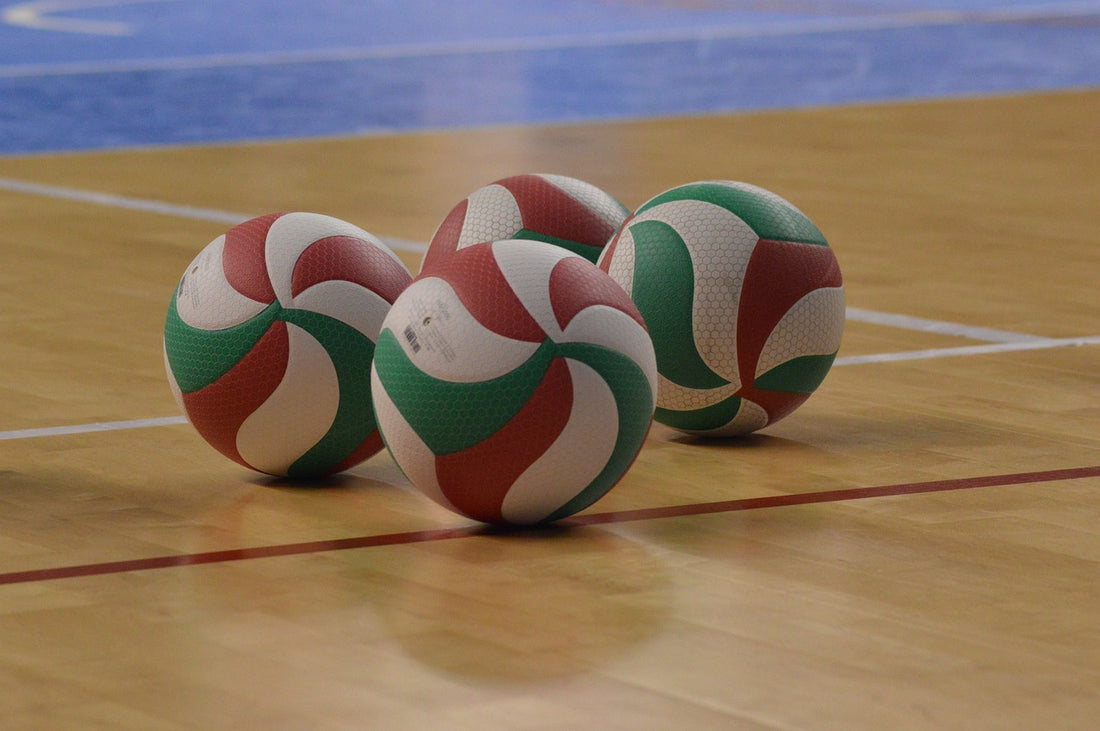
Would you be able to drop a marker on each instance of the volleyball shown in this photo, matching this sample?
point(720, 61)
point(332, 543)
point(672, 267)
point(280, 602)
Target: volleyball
point(743, 298)
point(514, 383)
point(555, 209)
point(269, 339)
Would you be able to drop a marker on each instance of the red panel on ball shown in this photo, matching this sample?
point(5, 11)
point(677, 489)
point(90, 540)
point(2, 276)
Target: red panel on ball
point(369, 447)
point(608, 254)
point(575, 284)
point(776, 404)
point(349, 259)
point(480, 285)
point(476, 480)
point(244, 258)
point(218, 410)
point(549, 210)
point(780, 273)
point(446, 236)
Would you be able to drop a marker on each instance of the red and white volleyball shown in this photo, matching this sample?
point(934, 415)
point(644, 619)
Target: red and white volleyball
point(269, 340)
point(514, 383)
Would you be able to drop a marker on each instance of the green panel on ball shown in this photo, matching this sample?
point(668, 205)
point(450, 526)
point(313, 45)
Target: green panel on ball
point(351, 353)
point(451, 416)
point(768, 217)
point(592, 253)
point(198, 357)
point(633, 399)
point(800, 375)
point(664, 291)
point(704, 419)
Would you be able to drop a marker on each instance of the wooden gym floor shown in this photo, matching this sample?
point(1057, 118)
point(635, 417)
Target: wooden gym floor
point(917, 547)
point(961, 590)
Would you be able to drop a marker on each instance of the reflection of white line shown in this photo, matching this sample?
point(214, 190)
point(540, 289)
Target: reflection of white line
point(1038, 344)
point(561, 42)
point(159, 207)
point(40, 15)
point(54, 431)
point(936, 326)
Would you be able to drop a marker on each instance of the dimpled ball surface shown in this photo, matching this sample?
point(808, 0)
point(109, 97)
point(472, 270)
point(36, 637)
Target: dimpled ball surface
point(515, 383)
point(743, 297)
point(554, 209)
point(269, 339)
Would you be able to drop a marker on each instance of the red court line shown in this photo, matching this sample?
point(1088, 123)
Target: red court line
point(622, 516)
point(829, 496)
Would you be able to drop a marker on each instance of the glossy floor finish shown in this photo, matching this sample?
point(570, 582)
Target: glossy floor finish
point(916, 547)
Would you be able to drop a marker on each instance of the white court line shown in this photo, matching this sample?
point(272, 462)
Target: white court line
point(1040, 344)
point(560, 42)
point(120, 201)
point(908, 322)
point(1036, 344)
point(160, 207)
point(54, 431)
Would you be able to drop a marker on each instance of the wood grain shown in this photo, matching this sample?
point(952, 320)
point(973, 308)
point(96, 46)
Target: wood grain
point(947, 609)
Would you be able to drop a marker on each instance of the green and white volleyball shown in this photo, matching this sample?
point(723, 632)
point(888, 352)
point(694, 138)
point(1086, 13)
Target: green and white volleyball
point(743, 298)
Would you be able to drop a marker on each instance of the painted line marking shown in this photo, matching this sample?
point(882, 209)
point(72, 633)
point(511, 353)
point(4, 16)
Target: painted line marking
point(925, 18)
point(940, 327)
point(830, 496)
point(159, 207)
point(56, 431)
point(124, 202)
point(622, 516)
point(1038, 344)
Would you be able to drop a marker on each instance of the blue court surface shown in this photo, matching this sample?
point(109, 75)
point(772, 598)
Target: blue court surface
point(95, 74)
